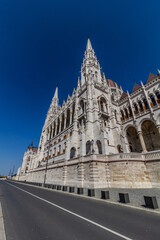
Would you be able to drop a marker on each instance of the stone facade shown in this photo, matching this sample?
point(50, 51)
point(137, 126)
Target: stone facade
point(101, 136)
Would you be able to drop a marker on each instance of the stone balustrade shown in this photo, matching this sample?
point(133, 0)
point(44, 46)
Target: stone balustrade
point(152, 155)
point(125, 156)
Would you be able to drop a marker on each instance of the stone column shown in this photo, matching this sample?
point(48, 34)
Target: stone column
point(48, 133)
point(158, 127)
point(142, 141)
point(70, 116)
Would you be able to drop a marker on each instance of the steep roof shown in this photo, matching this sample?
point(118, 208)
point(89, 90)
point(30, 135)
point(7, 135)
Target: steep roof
point(124, 94)
point(136, 87)
point(151, 77)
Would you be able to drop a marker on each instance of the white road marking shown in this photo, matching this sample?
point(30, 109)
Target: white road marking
point(2, 230)
point(74, 214)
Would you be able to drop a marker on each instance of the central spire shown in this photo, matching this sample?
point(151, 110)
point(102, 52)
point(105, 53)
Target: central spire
point(90, 64)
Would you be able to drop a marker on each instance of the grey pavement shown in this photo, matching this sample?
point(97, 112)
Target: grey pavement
point(55, 215)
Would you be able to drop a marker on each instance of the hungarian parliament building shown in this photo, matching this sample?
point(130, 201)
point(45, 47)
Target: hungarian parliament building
point(101, 136)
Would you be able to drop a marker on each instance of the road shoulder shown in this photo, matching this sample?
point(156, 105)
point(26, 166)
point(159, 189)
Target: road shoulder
point(2, 229)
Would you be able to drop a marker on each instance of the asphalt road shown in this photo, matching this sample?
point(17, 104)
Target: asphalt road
point(32, 213)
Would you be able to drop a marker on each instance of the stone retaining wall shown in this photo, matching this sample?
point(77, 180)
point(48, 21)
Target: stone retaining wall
point(90, 172)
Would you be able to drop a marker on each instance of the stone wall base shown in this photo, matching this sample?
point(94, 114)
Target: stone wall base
point(90, 172)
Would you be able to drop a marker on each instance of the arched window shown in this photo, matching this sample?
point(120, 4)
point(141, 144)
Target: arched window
point(88, 147)
point(54, 151)
point(146, 107)
point(130, 112)
point(119, 148)
point(126, 113)
point(50, 132)
point(122, 116)
point(135, 109)
point(103, 105)
point(58, 123)
point(133, 140)
point(150, 135)
point(64, 147)
point(72, 152)
point(68, 118)
point(141, 109)
point(59, 149)
point(99, 146)
point(158, 97)
point(82, 107)
point(96, 75)
point(62, 124)
point(153, 101)
point(73, 111)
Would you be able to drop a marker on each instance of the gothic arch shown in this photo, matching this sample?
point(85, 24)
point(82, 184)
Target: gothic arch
point(146, 106)
point(73, 111)
point(122, 115)
point(141, 108)
point(139, 127)
point(102, 104)
point(151, 135)
point(153, 101)
point(119, 148)
point(68, 118)
point(133, 139)
point(136, 111)
point(99, 147)
point(88, 147)
point(72, 152)
point(126, 113)
point(82, 105)
point(62, 124)
point(157, 96)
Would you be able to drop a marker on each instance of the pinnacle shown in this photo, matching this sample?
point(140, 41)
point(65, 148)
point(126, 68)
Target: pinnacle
point(89, 46)
point(56, 93)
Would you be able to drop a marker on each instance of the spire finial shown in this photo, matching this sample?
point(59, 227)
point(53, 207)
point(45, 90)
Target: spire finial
point(56, 93)
point(89, 46)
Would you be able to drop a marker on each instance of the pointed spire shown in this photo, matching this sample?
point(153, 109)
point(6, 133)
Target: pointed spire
point(89, 46)
point(56, 93)
point(78, 84)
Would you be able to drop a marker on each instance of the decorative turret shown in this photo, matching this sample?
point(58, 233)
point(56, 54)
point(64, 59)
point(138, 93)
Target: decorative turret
point(90, 65)
point(55, 98)
point(53, 109)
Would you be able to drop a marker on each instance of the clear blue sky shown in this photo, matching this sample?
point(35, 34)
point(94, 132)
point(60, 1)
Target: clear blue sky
point(42, 45)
